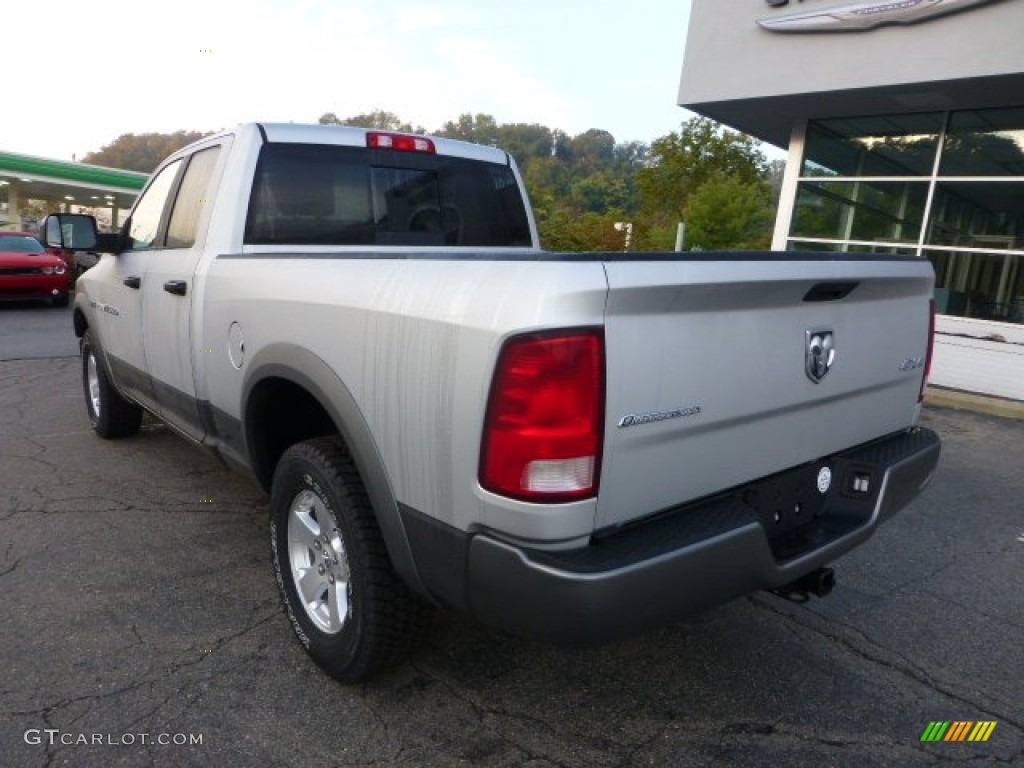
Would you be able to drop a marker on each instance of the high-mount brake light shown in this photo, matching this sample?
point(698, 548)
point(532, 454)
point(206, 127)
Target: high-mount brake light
point(400, 141)
point(544, 428)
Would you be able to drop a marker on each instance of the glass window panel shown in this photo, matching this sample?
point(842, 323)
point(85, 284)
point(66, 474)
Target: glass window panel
point(310, 194)
point(407, 205)
point(145, 220)
point(895, 250)
point(804, 246)
point(349, 196)
point(897, 145)
point(984, 142)
point(989, 286)
point(982, 214)
point(192, 196)
point(860, 210)
point(20, 243)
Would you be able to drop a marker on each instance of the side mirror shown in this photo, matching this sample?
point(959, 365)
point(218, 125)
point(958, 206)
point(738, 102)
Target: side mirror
point(72, 231)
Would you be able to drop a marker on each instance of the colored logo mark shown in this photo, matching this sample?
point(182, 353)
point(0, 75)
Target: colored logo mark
point(958, 730)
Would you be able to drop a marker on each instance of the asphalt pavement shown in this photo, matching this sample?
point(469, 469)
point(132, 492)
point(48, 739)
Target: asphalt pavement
point(34, 331)
point(140, 626)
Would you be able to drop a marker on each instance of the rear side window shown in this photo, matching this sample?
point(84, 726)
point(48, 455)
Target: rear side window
point(184, 222)
point(326, 195)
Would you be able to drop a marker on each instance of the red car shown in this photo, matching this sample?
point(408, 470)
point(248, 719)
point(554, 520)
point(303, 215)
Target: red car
point(27, 271)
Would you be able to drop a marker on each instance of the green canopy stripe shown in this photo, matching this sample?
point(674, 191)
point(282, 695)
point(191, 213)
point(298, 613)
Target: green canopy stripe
point(64, 171)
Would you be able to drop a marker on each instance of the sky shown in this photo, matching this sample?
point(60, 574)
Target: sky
point(89, 72)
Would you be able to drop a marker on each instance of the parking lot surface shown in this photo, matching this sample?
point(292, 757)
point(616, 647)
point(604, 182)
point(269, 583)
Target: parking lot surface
point(33, 330)
point(140, 625)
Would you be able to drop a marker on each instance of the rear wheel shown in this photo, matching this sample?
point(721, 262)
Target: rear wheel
point(345, 602)
point(110, 414)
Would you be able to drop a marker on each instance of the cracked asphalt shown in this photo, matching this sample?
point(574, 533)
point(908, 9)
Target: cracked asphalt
point(137, 605)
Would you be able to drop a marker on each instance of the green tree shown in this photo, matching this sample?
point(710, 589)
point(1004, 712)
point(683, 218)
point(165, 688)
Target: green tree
point(591, 150)
point(704, 155)
point(141, 152)
point(377, 118)
point(526, 142)
point(565, 230)
point(682, 161)
point(479, 128)
point(601, 192)
point(776, 175)
point(728, 212)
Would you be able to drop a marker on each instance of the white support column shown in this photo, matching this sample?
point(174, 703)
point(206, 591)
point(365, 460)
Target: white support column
point(787, 195)
point(13, 202)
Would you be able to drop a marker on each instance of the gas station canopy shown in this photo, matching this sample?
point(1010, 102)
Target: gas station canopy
point(64, 184)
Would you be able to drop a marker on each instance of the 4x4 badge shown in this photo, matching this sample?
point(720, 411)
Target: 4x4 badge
point(819, 353)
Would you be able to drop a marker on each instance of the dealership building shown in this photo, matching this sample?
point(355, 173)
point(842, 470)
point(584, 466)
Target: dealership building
point(904, 123)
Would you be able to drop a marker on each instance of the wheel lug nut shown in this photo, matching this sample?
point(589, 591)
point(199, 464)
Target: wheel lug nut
point(316, 544)
point(330, 578)
point(320, 569)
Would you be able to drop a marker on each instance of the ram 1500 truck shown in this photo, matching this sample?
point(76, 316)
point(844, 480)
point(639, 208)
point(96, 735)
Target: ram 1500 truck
point(568, 446)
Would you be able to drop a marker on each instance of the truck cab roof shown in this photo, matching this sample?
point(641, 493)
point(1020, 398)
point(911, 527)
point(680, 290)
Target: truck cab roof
point(344, 135)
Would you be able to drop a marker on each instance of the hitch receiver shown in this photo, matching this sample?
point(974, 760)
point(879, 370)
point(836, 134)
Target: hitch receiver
point(818, 582)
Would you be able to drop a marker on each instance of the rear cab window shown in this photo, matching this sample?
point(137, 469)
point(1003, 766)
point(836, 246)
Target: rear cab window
point(312, 194)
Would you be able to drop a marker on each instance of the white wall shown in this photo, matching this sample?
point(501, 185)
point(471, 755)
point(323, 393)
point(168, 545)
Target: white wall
point(966, 358)
point(728, 56)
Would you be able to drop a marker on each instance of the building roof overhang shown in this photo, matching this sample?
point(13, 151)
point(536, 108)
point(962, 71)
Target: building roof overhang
point(771, 118)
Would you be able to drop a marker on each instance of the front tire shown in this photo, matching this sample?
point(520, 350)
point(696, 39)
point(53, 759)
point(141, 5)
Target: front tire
point(110, 414)
point(345, 602)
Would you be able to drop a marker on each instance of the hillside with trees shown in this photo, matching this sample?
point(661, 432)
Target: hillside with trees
point(717, 181)
point(141, 151)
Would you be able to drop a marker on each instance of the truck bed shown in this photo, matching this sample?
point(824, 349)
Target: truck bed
point(707, 385)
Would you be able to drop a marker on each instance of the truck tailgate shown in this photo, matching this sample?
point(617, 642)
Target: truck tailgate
point(707, 369)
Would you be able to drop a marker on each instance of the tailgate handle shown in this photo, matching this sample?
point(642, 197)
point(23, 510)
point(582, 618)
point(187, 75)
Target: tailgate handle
point(177, 287)
point(830, 291)
point(133, 282)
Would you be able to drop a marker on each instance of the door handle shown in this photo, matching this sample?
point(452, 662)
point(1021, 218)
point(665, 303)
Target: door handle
point(133, 282)
point(177, 287)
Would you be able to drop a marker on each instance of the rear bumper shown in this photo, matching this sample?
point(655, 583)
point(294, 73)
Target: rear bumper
point(679, 563)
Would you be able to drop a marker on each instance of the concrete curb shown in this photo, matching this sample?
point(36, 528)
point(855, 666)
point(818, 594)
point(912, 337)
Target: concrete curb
point(968, 401)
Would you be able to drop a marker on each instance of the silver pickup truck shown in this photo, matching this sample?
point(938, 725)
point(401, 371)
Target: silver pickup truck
point(568, 446)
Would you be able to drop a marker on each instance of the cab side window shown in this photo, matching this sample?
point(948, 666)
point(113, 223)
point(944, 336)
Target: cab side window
point(148, 211)
point(191, 198)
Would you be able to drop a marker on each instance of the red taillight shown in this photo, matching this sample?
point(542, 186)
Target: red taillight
point(931, 349)
point(400, 141)
point(543, 430)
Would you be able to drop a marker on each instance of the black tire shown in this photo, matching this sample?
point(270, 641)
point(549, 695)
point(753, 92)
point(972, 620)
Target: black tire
point(322, 526)
point(110, 414)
